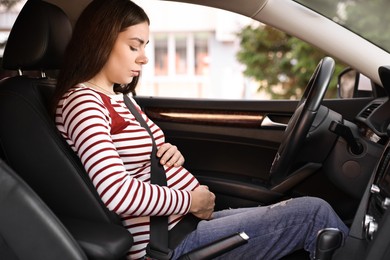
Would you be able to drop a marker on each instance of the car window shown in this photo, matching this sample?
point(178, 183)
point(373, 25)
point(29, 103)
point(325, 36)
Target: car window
point(194, 54)
point(368, 19)
point(202, 52)
point(210, 53)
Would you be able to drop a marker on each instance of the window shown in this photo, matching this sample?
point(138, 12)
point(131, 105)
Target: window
point(181, 67)
point(179, 54)
point(201, 54)
point(160, 55)
point(180, 64)
point(193, 57)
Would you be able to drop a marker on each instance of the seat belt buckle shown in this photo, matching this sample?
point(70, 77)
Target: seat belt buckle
point(153, 253)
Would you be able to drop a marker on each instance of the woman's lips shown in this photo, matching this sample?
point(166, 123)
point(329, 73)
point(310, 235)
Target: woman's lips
point(134, 73)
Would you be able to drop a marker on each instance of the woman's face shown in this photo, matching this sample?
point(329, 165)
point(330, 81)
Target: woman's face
point(127, 56)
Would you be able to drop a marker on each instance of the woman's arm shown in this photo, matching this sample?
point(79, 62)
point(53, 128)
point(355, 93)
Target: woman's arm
point(86, 124)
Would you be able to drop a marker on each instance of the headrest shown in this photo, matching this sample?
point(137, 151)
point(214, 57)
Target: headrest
point(38, 39)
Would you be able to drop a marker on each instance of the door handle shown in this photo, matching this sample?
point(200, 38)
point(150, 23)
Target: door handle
point(268, 123)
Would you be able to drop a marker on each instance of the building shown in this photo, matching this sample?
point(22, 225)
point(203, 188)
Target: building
point(192, 52)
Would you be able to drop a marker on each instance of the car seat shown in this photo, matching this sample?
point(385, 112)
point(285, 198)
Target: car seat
point(31, 145)
point(28, 228)
point(29, 140)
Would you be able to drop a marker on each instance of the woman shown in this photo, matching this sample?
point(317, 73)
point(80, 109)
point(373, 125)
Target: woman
point(102, 63)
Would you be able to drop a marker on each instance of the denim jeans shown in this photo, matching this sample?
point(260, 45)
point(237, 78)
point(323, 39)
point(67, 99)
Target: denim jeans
point(274, 231)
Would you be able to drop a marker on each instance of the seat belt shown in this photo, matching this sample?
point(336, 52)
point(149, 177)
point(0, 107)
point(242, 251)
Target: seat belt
point(158, 241)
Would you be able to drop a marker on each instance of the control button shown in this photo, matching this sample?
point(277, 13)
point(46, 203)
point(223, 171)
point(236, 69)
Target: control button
point(375, 189)
point(367, 220)
point(385, 203)
point(371, 229)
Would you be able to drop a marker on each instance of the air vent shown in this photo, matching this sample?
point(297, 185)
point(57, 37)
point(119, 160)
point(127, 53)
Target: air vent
point(367, 112)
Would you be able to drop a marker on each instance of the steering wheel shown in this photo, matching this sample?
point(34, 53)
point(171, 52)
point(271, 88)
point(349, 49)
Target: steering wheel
point(301, 121)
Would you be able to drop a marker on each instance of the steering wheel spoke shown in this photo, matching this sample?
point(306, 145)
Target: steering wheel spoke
point(301, 121)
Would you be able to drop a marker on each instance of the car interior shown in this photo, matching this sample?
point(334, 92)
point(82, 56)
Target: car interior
point(56, 200)
point(22, 209)
point(98, 231)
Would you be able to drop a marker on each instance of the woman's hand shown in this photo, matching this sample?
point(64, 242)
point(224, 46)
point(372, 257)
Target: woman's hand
point(169, 155)
point(203, 202)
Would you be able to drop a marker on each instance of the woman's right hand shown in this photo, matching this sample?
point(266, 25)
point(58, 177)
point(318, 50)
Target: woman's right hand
point(203, 202)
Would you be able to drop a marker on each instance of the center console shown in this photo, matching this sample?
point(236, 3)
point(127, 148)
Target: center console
point(369, 236)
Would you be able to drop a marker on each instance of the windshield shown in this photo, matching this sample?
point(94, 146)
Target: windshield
point(369, 19)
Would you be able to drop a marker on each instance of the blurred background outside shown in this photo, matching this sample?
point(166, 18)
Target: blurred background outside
point(199, 52)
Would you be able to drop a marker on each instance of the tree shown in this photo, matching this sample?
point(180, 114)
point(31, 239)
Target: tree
point(8, 4)
point(282, 64)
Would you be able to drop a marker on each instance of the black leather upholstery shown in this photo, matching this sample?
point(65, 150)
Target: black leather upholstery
point(31, 144)
point(28, 226)
point(38, 38)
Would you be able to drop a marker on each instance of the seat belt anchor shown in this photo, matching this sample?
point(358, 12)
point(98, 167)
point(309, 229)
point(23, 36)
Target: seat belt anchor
point(153, 253)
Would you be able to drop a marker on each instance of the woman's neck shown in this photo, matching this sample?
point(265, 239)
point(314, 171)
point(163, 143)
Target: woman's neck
point(101, 88)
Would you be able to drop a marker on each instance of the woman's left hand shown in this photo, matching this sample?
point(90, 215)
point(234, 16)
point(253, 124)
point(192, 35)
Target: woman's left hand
point(169, 155)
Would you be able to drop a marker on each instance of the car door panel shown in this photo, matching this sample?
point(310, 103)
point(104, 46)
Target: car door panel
point(228, 145)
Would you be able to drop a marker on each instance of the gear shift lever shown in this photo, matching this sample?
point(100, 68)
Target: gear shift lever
point(328, 240)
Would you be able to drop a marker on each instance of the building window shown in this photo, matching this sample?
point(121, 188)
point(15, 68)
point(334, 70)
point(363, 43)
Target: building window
point(181, 54)
point(160, 55)
point(201, 54)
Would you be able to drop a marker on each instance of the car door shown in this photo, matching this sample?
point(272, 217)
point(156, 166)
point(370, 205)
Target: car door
point(194, 89)
point(230, 145)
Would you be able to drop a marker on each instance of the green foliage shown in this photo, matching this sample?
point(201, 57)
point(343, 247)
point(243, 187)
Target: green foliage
point(280, 63)
point(283, 64)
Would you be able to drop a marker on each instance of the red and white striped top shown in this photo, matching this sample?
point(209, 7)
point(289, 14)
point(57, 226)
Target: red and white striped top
point(115, 151)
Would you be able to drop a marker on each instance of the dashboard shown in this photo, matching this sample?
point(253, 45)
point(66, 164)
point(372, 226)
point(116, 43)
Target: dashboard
point(369, 236)
point(379, 199)
point(374, 120)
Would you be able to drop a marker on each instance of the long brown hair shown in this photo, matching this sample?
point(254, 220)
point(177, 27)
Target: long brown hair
point(92, 41)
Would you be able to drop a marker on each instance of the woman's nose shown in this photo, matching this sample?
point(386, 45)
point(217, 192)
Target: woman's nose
point(143, 60)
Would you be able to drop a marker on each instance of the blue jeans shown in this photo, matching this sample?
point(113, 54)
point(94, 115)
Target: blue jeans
point(274, 231)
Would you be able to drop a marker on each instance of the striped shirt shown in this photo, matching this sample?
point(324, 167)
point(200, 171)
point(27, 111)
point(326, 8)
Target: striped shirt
point(115, 151)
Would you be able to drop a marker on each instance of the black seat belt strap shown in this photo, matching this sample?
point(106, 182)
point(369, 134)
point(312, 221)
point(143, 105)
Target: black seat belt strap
point(158, 244)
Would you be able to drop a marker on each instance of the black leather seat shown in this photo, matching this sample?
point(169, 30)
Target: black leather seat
point(32, 146)
point(30, 143)
point(28, 228)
